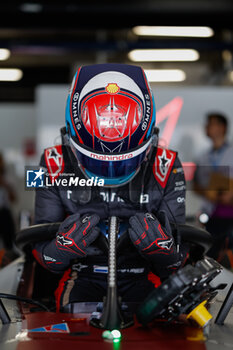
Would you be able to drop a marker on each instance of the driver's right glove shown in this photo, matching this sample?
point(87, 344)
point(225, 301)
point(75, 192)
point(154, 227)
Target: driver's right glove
point(72, 241)
point(153, 239)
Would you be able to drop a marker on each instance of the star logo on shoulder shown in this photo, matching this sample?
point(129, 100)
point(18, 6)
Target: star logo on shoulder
point(164, 162)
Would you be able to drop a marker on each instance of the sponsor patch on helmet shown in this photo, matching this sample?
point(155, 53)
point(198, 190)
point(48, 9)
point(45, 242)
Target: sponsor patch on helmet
point(112, 88)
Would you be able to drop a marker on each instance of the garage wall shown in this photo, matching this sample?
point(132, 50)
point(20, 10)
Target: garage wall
point(17, 122)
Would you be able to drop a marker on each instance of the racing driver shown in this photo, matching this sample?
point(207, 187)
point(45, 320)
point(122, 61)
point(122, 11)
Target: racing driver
point(110, 134)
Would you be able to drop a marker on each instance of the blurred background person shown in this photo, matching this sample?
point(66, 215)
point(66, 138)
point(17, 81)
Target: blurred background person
point(214, 183)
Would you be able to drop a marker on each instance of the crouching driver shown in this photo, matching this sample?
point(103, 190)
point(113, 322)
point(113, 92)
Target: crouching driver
point(110, 135)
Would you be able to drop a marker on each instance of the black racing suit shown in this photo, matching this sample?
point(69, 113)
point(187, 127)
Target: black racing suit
point(159, 185)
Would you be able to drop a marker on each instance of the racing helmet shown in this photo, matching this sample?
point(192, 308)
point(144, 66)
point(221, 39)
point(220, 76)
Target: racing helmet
point(110, 119)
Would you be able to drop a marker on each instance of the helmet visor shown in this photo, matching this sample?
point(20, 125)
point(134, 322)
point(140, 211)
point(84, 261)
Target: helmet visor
point(110, 165)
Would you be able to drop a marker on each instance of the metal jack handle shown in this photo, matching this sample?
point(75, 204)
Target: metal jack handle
point(225, 308)
point(5, 318)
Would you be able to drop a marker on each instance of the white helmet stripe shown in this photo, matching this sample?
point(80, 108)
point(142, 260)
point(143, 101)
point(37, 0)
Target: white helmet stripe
point(103, 79)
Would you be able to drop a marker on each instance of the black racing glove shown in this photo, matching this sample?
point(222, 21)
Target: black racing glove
point(154, 241)
point(72, 241)
point(75, 234)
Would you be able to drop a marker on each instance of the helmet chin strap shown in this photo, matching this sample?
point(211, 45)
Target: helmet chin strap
point(64, 136)
point(155, 136)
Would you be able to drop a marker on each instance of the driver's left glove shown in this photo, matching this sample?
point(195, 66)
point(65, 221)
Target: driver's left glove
point(153, 239)
point(73, 240)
